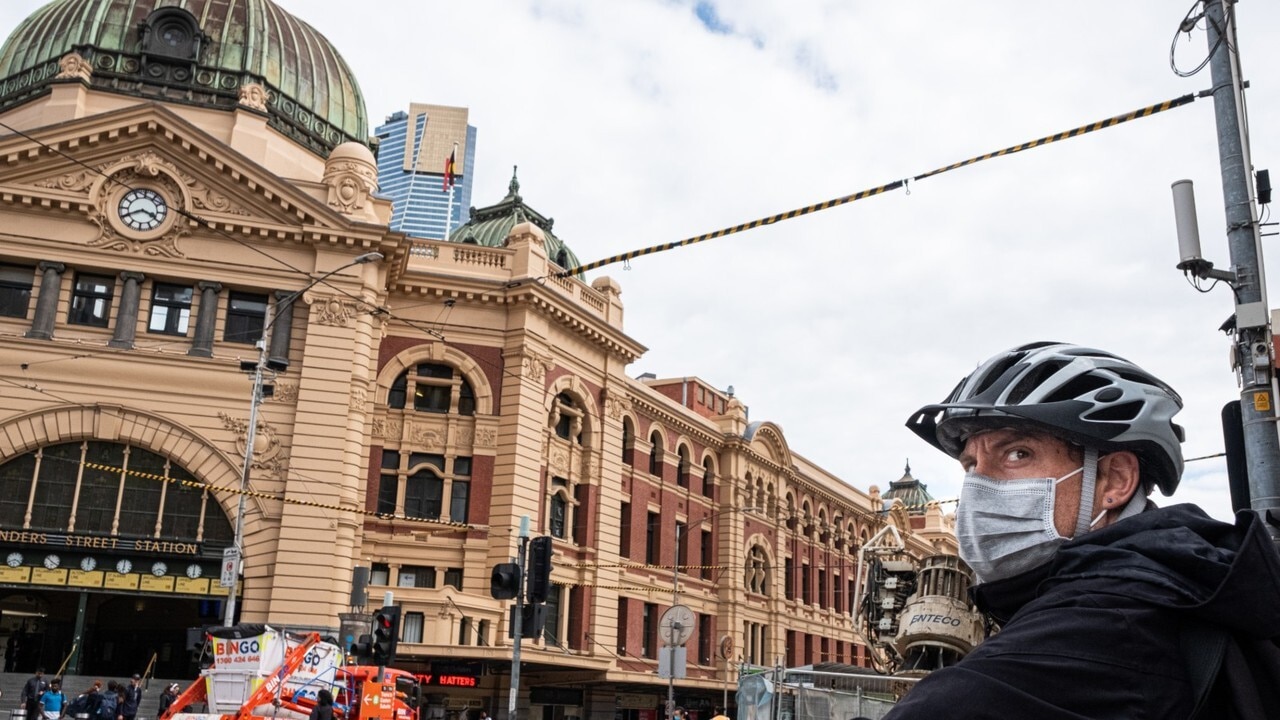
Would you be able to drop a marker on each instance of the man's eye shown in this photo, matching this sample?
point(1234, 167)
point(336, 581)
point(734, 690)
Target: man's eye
point(1017, 455)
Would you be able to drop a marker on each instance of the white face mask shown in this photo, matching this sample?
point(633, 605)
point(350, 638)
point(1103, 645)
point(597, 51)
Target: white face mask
point(1006, 527)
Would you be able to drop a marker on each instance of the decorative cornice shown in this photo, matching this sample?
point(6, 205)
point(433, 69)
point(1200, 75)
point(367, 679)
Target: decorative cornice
point(672, 419)
point(576, 324)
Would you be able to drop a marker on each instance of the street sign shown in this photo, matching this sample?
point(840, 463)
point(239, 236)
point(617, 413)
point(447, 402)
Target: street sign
point(230, 565)
point(672, 662)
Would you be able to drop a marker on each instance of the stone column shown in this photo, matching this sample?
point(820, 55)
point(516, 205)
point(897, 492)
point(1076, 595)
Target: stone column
point(127, 319)
point(47, 304)
point(282, 327)
point(206, 319)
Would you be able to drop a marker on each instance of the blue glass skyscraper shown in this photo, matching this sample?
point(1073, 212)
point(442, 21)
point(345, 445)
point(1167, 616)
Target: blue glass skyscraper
point(413, 148)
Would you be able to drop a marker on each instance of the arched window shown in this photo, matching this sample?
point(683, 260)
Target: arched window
point(566, 417)
point(682, 466)
point(708, 478)
point(655, 455)
point(437, 388)
point(418, 489)
point(123, 491)
point(757, 577)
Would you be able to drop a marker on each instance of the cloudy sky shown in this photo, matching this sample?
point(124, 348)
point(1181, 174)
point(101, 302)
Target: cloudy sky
point(639, 122)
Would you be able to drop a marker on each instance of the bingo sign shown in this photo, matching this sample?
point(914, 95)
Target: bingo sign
point(318, 669)
point(257, 653)
point(261, 655)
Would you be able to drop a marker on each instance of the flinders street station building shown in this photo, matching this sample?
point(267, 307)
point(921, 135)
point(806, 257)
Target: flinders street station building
point(189, 190)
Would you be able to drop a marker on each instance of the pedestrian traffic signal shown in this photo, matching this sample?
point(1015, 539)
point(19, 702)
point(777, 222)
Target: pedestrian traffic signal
point(539, 569)
point(504, 583)
point(386, 634)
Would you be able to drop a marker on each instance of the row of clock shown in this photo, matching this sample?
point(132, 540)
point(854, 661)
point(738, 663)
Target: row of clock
point(87, 564)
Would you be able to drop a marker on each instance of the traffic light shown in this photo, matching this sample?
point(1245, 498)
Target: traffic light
point(532, 620)
point(539, 569)
point(362, 649)
point(504, 583)
point(386, 633)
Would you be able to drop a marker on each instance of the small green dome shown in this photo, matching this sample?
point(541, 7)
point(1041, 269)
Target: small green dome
point(490, 226)
point(197, 52)
point(913, 493)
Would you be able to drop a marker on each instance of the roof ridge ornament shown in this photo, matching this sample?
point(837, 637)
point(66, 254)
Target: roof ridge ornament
point(513, 188)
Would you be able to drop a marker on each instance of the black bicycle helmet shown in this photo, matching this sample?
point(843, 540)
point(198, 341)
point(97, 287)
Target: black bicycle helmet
point(1080, 394)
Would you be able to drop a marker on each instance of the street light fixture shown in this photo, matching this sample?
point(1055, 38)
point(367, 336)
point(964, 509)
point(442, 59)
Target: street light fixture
point(263, 365)
point(675, 603)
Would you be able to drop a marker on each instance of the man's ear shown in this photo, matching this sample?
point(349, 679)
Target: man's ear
point(1118, 479)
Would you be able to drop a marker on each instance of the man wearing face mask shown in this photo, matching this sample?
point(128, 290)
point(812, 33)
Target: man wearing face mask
point(1108, 606)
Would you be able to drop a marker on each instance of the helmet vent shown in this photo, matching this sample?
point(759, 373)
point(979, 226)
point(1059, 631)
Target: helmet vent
point(1122, 412)
point(1078, 387)
point(1033, 380)
point(994, 374)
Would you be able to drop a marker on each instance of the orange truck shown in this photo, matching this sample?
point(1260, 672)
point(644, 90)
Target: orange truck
point(259, 672)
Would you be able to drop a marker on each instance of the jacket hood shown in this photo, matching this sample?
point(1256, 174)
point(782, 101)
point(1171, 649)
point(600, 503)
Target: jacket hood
point(1176, 558)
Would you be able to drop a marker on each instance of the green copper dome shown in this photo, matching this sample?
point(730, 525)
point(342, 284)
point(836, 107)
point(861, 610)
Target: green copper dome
point(910, 491)
point(197, 52)
point(490, 226)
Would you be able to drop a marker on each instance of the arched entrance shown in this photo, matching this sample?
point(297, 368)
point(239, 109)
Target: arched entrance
point(111, 555)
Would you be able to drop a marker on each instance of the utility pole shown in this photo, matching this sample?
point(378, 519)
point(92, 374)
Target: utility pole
point(1253, 333)
point(671, 649)
point(518, 620)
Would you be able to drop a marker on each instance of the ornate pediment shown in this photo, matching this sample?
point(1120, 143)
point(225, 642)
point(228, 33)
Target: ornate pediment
point(83, 161)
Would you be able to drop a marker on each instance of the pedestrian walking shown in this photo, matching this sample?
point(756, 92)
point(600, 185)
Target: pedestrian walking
point(30, 699)
point(52, 701)
point(130, 698)
point(324, 706)
point(167, 696)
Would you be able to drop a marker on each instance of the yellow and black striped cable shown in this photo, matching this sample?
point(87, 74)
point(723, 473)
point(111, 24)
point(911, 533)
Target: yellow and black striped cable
point(772, 219)
point(197, 485)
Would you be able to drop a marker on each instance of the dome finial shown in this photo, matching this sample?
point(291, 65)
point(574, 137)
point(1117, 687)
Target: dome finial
point(513, 190)
point(908, 470)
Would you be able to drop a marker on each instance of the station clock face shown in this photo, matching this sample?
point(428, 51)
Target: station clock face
point(159, 569)
point(123, 567)
point(143, 209)
point(194, 571)
point(14, 559)
point(676, 625)
point(87, 564)
point(52, 561)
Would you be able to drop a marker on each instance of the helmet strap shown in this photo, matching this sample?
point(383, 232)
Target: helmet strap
point(1087, 486)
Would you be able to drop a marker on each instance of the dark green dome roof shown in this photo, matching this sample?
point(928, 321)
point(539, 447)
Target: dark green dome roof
point(490, 226)
point(198, 52)
point(913, 493)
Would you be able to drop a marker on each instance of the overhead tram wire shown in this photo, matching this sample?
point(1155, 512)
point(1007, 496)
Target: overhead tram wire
point(836, 202)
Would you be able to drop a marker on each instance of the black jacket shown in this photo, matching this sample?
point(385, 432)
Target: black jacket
point(1096, 632)
point(132, 699)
